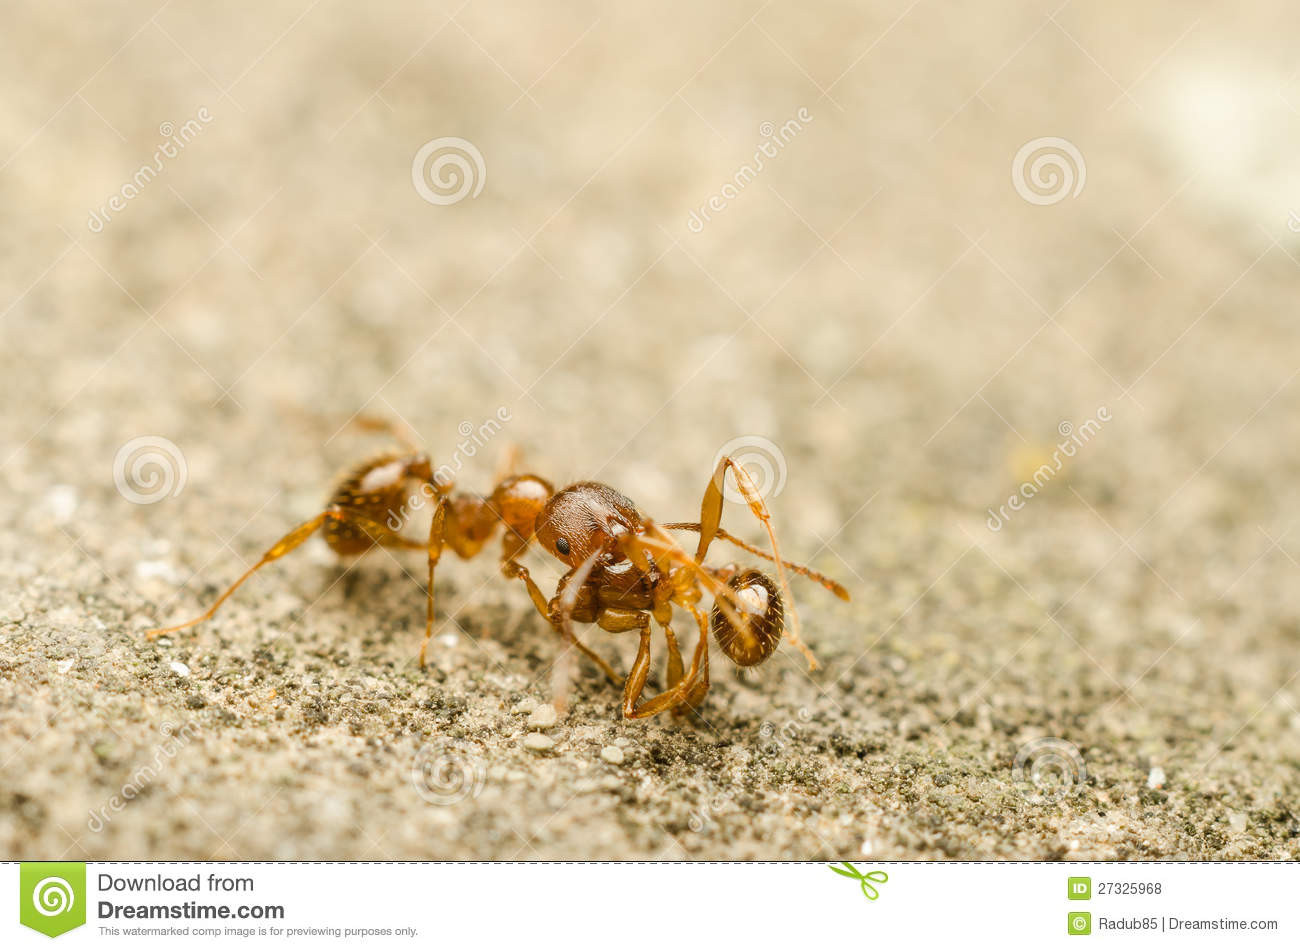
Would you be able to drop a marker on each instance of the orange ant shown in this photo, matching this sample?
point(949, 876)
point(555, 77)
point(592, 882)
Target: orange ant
point(625, 570)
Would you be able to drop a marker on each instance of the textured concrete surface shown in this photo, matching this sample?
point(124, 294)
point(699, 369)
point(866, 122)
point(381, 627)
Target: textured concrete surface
point(1111, 673)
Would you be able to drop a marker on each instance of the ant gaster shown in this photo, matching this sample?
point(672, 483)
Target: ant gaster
point(625, 570)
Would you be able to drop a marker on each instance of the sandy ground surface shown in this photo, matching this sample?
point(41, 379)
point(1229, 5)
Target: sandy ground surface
point(1111, 673)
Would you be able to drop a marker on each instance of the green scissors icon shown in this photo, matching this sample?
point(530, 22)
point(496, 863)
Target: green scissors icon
point(863, 879)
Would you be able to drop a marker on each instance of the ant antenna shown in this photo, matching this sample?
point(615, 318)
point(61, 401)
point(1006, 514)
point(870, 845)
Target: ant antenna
point(830, 584)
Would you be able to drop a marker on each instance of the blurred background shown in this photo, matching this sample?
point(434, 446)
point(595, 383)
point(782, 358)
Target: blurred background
point(1000, 299)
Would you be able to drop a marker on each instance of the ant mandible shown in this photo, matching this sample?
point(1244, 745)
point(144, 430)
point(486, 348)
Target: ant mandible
point(625, 570)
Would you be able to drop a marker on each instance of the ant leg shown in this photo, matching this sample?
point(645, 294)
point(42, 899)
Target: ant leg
point(641, 555)
point(434, 551)
point(675, 668)
point(507, 464)
point(667, 551)
point(690, 687)
point(281, 548)
point(382, 424)
point(512, 569)
point(562, 605)
point(561, 671)
point(640, 670)
point(381, 534)
point(386, 537)
point(694, 697)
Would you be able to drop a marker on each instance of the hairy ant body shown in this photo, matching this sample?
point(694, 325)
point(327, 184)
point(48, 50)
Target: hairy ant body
point(625, 570)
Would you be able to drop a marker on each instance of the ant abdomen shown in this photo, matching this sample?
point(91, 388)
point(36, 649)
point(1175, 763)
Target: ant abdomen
point(758, 605)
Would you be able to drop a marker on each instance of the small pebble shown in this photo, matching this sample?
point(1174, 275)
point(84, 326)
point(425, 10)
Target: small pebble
point(1155, 778)
point(538, 742)
point(1237, 822)
point(612, 754)
point(544, 717)
point(179, 668)
point(526, 705)
point(865, 848)
point(66, 665)
point(159, 568)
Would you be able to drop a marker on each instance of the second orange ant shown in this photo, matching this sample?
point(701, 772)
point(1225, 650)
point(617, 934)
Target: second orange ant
point(625, 570)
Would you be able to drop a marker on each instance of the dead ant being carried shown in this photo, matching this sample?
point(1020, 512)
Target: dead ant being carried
point(625, 570)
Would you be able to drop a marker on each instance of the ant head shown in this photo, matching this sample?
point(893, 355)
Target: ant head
point(758, 608)
point(585, 518)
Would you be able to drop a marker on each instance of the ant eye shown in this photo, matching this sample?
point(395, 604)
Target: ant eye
point(562, 546)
